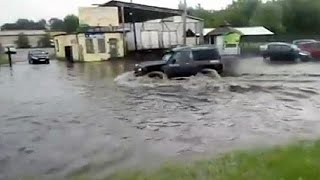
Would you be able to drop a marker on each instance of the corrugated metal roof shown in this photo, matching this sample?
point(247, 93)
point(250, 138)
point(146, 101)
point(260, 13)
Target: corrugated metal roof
point(26, 32)
point(254, 31)
point(246, 31)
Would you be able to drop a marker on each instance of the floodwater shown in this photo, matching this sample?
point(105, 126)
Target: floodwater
point(59, 120)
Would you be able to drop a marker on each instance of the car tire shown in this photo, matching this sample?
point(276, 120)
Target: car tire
point(47, 62)
point(30, 62)
point(211, 73)
point(157, 75)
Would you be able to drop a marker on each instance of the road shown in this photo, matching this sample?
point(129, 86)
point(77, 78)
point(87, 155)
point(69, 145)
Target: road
point(62, 119)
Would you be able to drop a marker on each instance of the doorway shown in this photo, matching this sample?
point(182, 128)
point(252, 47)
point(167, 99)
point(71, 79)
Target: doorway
point(113, 48)
point(68, 53)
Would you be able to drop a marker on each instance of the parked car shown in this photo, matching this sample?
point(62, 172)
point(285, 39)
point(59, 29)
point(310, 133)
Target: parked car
point(38, 56)
point(312, 47)
point(301, 41)
point(183, 62)
point(285, 51)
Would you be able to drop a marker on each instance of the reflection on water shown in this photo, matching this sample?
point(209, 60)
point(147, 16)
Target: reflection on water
point(60, 119)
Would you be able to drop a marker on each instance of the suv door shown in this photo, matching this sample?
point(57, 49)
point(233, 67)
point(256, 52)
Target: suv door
point(180, 64)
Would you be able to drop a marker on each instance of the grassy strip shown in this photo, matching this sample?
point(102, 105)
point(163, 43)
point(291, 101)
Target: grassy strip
point(300, 161)
point(3, 59)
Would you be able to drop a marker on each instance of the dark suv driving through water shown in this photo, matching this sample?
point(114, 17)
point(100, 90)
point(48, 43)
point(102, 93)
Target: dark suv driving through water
point(183, 62)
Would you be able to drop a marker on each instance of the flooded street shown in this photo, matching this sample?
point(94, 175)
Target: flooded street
point(59, 120)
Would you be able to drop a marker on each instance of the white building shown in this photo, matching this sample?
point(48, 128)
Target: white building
point(163, 33)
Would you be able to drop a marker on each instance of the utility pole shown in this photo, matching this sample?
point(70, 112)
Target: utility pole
point(184, 17)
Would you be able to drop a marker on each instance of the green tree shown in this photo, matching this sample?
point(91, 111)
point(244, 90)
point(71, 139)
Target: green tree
point(71, 23)
point(301, 16)
point(23, 41)
point(56, 24)
point(45, 41)
point(268, 15)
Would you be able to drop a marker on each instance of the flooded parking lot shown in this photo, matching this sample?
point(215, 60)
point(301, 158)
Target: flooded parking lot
point(59, 119)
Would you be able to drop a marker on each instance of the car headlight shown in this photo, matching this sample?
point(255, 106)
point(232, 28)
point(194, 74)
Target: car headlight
point(34, 57)
point(140, 69)
point(136, 65)
point(305, 53)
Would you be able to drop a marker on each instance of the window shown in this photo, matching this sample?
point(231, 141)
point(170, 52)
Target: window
point(281, 48)
point(102, 46)
point(57, 45)
point(89, 46)
point(182, 56)
point(206, 54)
point(231, 45)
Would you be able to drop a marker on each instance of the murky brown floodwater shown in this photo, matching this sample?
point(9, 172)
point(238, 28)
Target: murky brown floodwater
point(58, 120)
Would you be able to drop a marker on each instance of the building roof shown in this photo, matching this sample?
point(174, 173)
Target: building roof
point(245, 31)
point(254, 31)
point(26, 32)
point(134, 12)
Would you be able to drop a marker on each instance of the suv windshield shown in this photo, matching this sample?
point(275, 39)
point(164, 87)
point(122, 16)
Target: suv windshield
point(167, 56)
point(38, 52)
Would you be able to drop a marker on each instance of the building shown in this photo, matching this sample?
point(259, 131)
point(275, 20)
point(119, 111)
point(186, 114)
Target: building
point(95, 46)
point(9, 38)
point(113, 28)
point(151, 27)
point(227, 38)
point(102, 39)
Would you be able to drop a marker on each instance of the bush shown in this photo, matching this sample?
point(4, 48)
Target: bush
point(23, 41)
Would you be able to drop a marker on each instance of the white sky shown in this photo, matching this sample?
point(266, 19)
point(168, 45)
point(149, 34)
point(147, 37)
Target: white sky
point(11, 10)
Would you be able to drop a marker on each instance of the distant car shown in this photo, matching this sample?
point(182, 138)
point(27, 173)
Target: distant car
point(285, 51)
point(38, 56)
point(312, 47)
point(183, 62)
point(10, 48)
point(301, 41)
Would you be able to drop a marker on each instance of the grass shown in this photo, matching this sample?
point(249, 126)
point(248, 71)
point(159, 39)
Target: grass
point(3, 59)
point(299, 161)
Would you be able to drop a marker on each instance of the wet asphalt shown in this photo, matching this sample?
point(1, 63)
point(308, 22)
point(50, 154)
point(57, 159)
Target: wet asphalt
point(63, 119)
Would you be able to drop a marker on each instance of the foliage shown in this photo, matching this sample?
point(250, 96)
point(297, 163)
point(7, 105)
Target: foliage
point(23, 41)
point(45, 41)
point(71, 23)
point(298, 161)
point(281, 16)
point(268, 15)
point(83, 28)
point(56, 24)
point(24, 24)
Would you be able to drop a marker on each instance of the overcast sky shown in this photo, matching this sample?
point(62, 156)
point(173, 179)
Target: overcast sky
point(11, 10)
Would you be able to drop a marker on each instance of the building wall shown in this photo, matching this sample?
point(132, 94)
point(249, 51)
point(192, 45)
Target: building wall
point(99, 16)
point(79, 48)
point(161, 29)
point(62, 41)
point(11, 40)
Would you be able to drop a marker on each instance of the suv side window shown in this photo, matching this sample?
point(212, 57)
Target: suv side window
point(181, 57)
point(205, 54)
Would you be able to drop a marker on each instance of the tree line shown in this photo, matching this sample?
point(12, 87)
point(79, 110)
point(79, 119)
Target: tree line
point(280, 16)
point(69, 24)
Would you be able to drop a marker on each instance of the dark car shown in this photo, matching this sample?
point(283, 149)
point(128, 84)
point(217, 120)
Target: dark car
point(285, 51)
point(183, 62)
point(38, 56)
